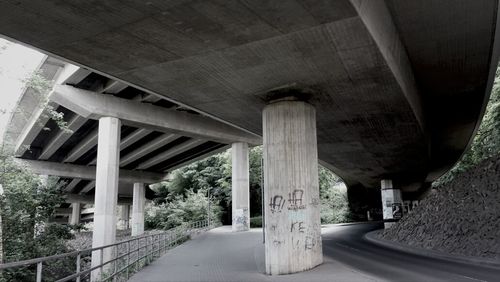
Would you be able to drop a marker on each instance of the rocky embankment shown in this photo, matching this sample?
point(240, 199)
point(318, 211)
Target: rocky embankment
point(461, 217)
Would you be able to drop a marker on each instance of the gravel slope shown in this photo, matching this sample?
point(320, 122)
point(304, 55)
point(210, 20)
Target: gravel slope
point(461, 217)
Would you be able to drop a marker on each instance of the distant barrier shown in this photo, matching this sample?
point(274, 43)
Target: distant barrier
point(129, 255)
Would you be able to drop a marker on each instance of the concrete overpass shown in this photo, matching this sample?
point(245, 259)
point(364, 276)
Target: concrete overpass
point(389, 91)
point(148, 150)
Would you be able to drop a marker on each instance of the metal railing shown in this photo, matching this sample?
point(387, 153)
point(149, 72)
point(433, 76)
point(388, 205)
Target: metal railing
point(128, 257)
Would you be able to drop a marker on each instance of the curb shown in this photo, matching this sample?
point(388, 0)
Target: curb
point(373, 238)
point(351, 223)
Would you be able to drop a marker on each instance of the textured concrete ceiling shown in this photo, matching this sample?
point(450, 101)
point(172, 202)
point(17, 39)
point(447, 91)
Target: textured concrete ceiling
point(398, 85)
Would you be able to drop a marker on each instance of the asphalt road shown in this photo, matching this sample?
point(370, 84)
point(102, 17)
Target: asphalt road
point(347, 245)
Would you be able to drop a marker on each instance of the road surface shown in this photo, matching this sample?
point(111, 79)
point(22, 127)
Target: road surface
point(347, 245)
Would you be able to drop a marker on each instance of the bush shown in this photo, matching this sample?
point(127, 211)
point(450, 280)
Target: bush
point(334, 205)
point(27, 203)
point(256, 222)
point(180, 209)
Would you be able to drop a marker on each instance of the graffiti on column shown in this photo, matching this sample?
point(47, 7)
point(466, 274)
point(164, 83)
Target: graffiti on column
point(295, 243)
point(315, 202)
point(277, 243)
point(297, 226)
point(277, 203)
point(397, 210)
point(241, 216)
point(295, 200)
point(310, 242)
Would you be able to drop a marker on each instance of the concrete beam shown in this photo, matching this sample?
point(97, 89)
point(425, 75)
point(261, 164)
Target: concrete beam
point(133, 137)
point(87, 217)
point(148, 98)
point(71, 185)
point(83, 147)
point(129, 140)
point(378, 21)
point(88, 210)
point(61, 137)
point(151, 98)
point(170, 153)
point(31, 130)
point(63, 211)
point(69, 74)
point(87, 172)
point(147, 148)
point(113, 87)
point(72, 74)
point(201, 157)
point(87, 187)
point(94, 106)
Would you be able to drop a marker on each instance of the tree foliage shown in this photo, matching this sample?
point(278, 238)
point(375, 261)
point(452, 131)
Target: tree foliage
point(174, 204)
point(26, 203)
point(192, 206)
point(333, 198)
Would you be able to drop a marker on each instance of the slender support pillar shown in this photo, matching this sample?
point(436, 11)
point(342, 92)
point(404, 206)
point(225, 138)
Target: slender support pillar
point(241, 187)
point(123, 223)
point(138, 202)
point(392, 203)
point(291, 189)
point(75, 213)
point(39, 227)
point(106, 191)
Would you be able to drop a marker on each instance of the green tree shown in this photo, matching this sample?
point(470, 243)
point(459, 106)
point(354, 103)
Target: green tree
point(333, 198)
point(193, 206)
point(25, 203)
point(255, 163)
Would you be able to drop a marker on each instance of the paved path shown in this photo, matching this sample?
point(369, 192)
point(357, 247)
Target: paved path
point(220, 255)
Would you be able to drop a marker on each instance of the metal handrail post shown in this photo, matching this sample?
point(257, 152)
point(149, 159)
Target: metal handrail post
point(101, 254)
point(39, 272)
point(115, 263)
point(128, 259)
point(78, 266)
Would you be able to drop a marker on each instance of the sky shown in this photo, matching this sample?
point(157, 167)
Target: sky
point(16, 63)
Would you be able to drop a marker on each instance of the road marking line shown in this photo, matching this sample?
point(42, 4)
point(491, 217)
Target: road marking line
point(472, 278)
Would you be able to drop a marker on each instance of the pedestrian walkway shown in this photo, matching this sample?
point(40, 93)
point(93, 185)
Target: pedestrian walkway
point(220, 255)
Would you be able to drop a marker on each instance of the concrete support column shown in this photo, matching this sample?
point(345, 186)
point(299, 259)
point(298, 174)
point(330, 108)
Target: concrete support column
point(392, 203)
point(291, 189)
point(106, 191)
point(124, 217)
point(138, 202)
point(240, 187)
point(39, 227)
point(75, 213)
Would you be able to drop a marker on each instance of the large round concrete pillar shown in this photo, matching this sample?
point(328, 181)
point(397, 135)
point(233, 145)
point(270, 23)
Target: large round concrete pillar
point(291, 190)
point(240, 191)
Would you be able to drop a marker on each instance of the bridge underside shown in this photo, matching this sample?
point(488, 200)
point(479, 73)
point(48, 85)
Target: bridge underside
point(398, 86)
